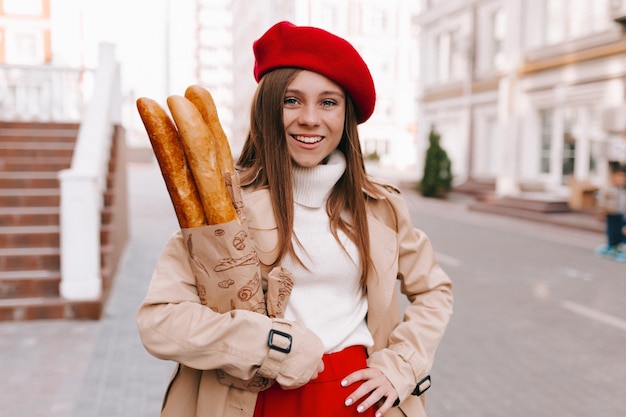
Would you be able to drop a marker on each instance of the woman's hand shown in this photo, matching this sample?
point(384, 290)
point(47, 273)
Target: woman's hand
point(375, 387)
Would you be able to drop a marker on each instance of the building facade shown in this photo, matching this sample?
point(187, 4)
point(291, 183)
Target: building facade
point(38, 80)
point(527, 94)
point(214, 55)
point(25, 32)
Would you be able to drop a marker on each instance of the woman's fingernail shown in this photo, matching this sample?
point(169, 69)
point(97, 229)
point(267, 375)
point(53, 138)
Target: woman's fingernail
point(348, 402)
point(344, 383)
point(378, 414)
point(360, 409)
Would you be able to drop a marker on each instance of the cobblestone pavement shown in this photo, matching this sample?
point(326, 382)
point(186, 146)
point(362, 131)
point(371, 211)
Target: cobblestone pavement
point(100, 369)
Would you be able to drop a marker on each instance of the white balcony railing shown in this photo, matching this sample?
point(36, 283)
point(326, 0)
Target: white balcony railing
point(43, 93)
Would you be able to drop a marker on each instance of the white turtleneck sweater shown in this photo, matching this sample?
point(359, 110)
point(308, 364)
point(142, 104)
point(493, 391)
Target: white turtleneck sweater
point(327, 298)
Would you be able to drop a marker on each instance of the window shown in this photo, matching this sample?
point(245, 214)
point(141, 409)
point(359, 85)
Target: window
point(386, 106)
point(487, 145)
point(329, 14)
point(375, 148)
point(23, 7)
point(498, 30)
point(24, 47)
point(554, 21)
point(571, 19)
point(379, 20)
point(596, 135)
point(490, 40)
point(569, 143)
point(458, 54)
point(547, 122)
point(581, 129)
point(443, 57)
point(452, 49)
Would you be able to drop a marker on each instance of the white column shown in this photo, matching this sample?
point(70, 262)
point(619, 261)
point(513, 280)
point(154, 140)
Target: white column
point(556, 150)
point(583, 145)
point(80, 237)
point(509, 98)
point(82, 185)
point(506, 182)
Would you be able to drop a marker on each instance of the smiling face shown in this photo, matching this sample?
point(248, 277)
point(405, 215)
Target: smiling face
point(314, 109)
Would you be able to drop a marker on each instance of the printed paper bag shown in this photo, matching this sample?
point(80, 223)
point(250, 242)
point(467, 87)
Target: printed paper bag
point(279, 286)
point(226, 268)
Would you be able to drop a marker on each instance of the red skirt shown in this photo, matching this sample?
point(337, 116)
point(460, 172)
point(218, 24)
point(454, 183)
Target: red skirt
point(321, 397)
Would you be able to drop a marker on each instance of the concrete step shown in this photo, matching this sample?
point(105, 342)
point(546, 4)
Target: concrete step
point(106, 216)
point(29, 216)
point(570, 219)
point(45, 164)
point(36, 149)
point(24, 179)
point(46, 132)
point(108, 195)
point(29, 236)
point(49, 308)
point(476, 187)
point(29, 284)
point(538, 202)
point(38, 135)
point(30, 197)
point(19, 124)
point(30, 259)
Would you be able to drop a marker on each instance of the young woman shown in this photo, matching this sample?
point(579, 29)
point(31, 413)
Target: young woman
point(342, 348)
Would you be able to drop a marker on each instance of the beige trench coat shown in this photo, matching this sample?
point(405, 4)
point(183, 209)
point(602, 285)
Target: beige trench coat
point(173, 325)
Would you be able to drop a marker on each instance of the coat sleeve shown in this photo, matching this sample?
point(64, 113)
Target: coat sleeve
point(412, 344)
point(174, 325)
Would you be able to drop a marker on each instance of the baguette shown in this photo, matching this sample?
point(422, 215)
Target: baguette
point(202, 99)
point(202, 156)
point(170, 156)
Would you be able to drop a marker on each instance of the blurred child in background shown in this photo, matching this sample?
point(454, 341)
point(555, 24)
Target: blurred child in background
point(612, 202)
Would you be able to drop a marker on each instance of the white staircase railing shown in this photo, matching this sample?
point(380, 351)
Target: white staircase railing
point(83, 185)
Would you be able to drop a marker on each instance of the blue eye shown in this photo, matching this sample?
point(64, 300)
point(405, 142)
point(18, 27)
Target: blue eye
point(328, 103)
point(290, 101)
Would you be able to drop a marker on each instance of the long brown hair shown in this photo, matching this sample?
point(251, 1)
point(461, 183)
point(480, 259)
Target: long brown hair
point(265, 163)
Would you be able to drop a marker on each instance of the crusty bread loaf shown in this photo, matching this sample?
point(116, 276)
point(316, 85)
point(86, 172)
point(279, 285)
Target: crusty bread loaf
point(170, 156)
point(202, 99)
point(202, 157)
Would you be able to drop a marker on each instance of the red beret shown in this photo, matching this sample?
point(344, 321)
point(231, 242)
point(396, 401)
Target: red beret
point(314, 49)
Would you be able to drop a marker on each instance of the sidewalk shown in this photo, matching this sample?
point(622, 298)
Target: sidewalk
point(95, 368)
point(100, 369)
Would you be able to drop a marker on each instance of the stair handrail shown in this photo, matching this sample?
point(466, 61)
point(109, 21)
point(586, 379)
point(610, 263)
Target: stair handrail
point(84, 183)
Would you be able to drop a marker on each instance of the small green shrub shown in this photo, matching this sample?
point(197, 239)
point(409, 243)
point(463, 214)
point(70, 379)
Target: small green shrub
point(437, 178)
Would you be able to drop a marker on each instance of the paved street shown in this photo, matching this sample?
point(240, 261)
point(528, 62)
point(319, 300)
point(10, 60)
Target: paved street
point(540, 323)
point(539, 326)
